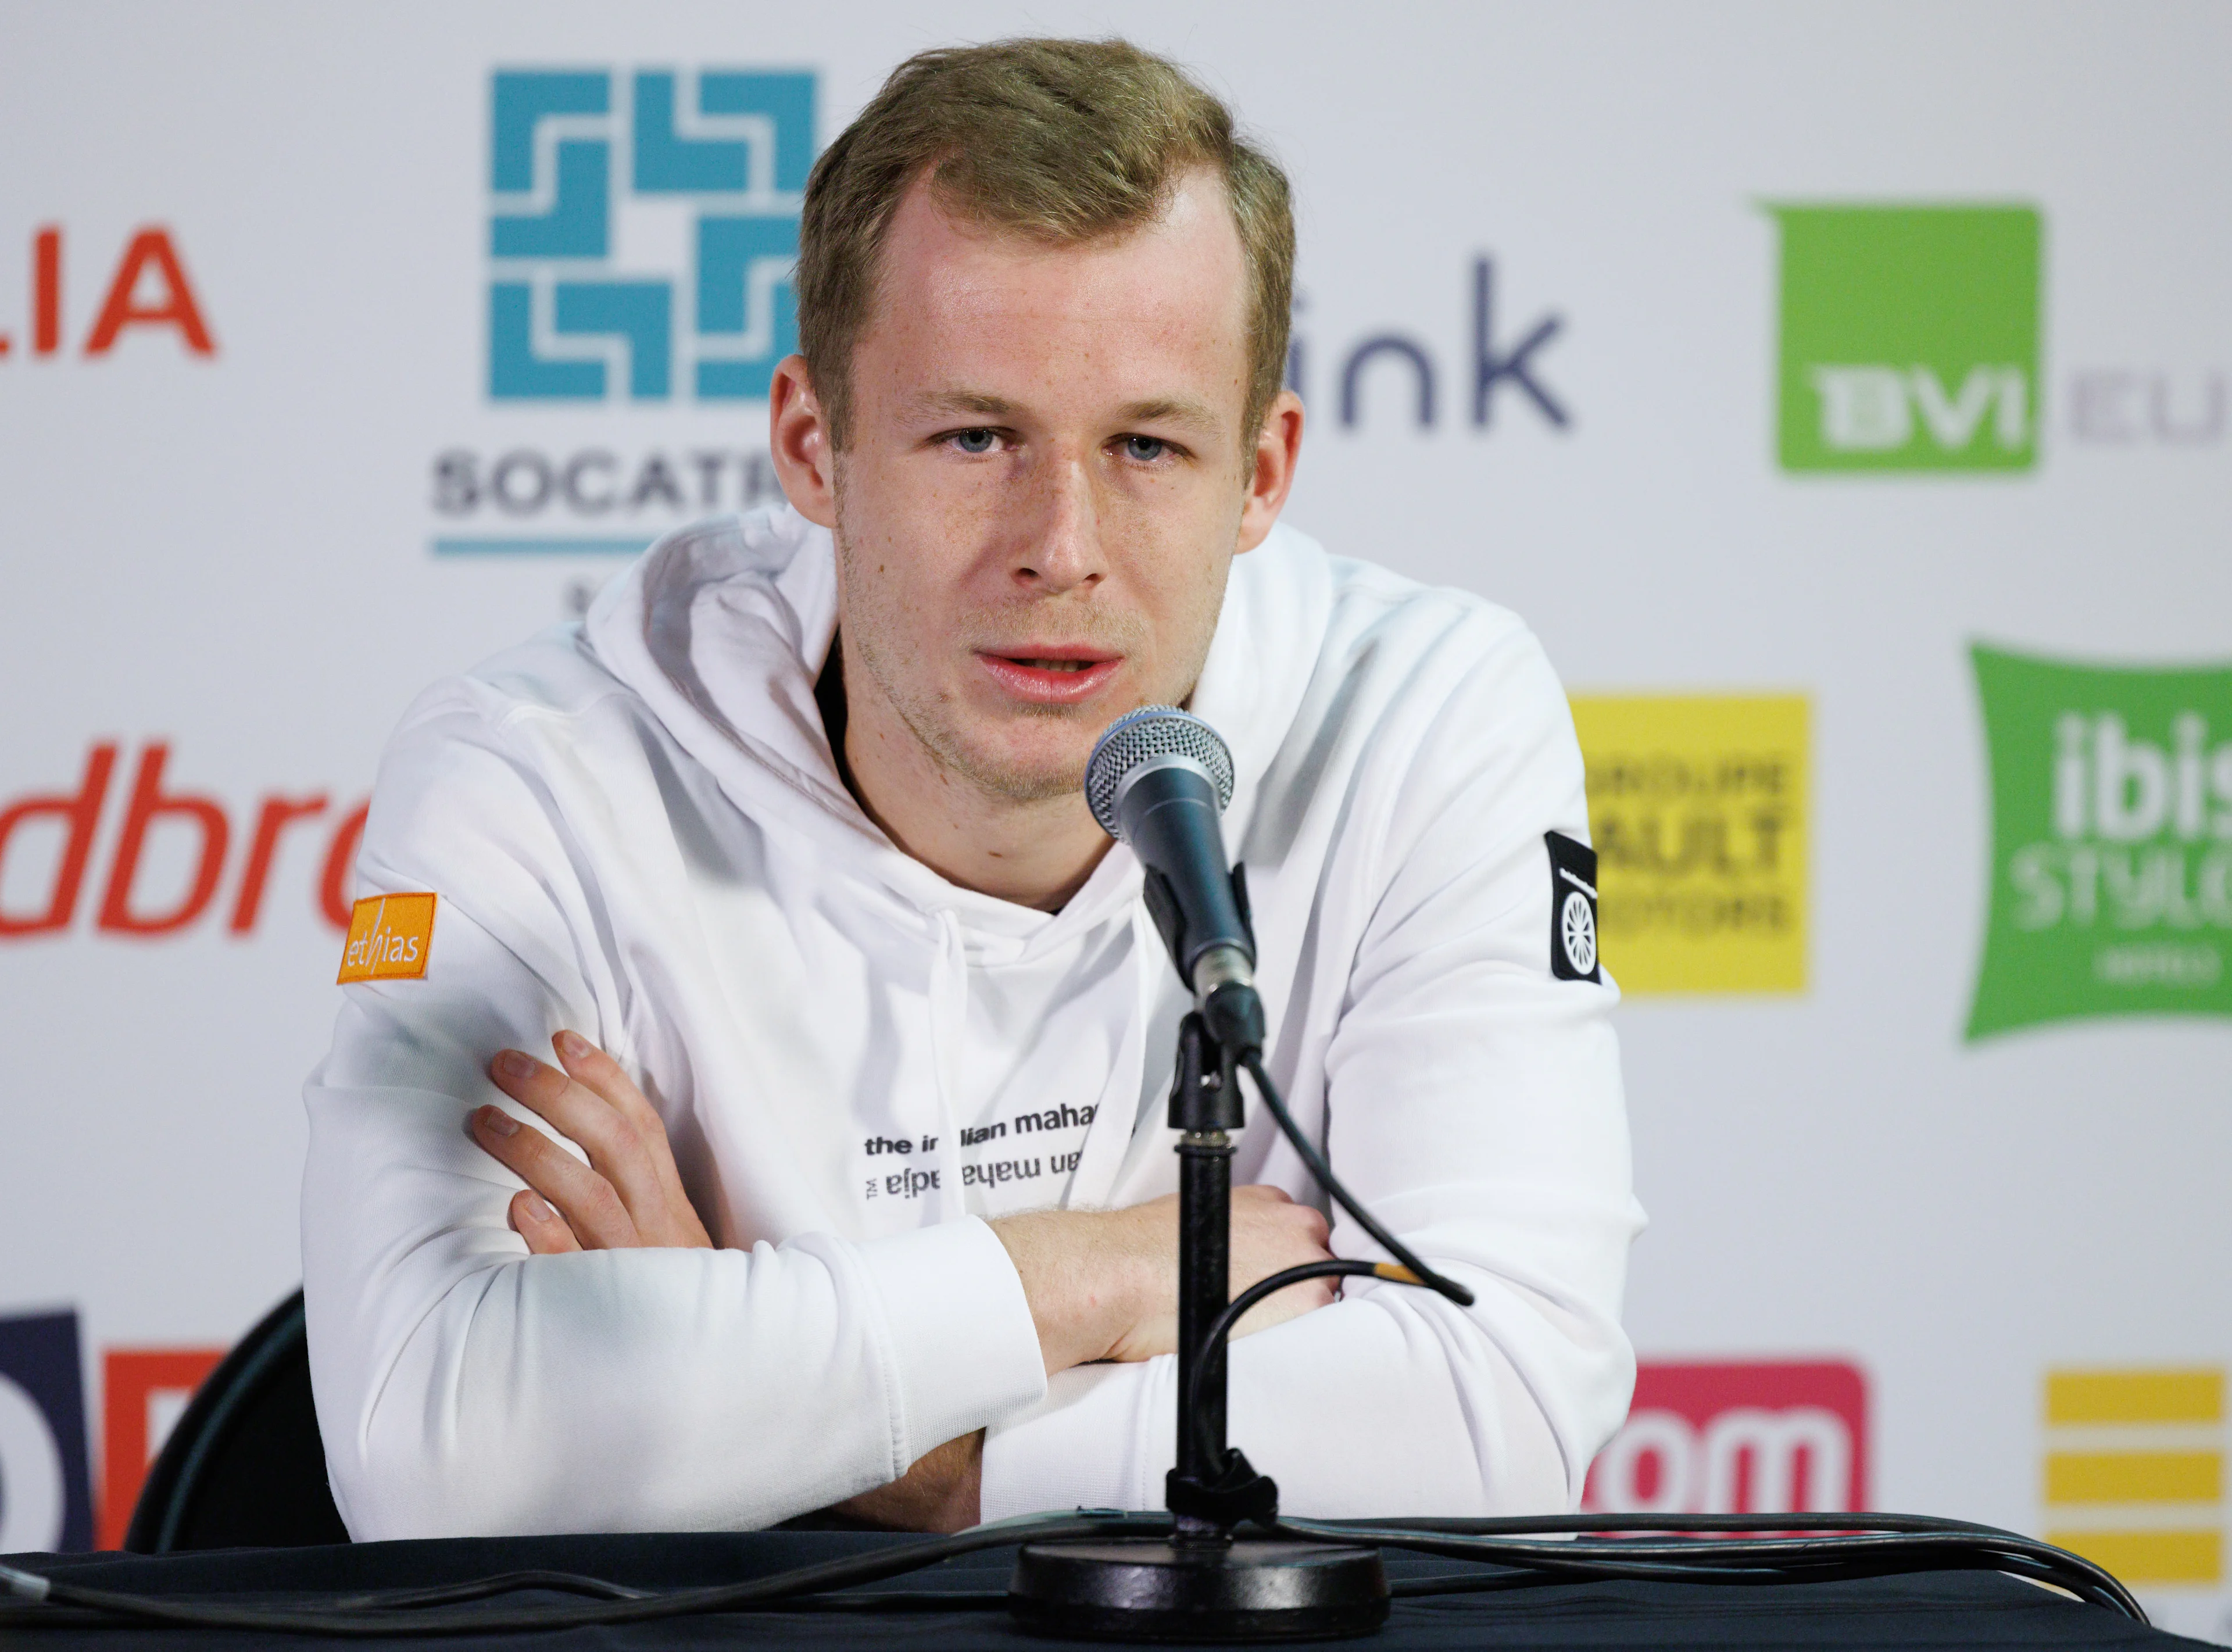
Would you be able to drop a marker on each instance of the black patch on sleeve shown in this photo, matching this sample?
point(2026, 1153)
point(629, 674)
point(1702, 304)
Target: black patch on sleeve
point(1573, 910)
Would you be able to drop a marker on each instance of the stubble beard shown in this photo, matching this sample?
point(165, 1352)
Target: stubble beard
point(880, 642)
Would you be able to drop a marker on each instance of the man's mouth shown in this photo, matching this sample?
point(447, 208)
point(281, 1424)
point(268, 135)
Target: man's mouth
point(1050, 677)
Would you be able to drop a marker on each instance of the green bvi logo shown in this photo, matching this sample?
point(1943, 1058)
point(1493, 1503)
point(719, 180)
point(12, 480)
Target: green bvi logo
point(1872, 410)
point(1909, 337)
point(2112, 826)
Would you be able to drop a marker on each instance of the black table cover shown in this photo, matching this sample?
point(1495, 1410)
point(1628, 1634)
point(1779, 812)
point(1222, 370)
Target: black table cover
point(1945, 1609)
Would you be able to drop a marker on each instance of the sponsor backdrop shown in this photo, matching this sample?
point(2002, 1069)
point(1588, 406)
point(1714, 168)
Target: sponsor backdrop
point(1841, 393)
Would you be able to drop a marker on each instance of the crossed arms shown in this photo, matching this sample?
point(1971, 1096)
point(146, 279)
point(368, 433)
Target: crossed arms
point(1101, 1285)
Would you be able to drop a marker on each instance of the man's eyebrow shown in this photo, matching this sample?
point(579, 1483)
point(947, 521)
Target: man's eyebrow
point(1170, 410)
point(975, 402)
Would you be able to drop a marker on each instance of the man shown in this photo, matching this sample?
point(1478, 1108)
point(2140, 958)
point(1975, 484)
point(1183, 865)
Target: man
point(850, 1185)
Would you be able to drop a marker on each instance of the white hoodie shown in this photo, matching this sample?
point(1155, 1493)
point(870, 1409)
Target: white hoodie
point(635, 830)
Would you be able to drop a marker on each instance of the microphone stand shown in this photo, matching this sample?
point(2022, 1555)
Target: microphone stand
point(1202, 1583)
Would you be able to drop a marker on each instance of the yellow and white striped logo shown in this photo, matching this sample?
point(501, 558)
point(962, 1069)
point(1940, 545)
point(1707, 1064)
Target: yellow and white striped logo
point(2135, 1471)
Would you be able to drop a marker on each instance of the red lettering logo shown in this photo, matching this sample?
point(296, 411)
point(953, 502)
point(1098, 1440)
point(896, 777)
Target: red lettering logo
point(1771, 1437)
point(149, 289)
point(169, 855)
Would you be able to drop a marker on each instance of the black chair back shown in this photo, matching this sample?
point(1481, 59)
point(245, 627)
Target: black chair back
point(245, 1466)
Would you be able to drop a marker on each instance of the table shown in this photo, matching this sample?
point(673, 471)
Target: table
point(1945, 1609)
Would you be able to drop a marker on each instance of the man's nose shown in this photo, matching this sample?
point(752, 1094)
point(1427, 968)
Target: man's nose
point(1058, 545)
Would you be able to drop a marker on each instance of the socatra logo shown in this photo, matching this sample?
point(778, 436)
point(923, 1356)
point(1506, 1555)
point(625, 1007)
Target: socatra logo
point(2135, 1471)
point(1698, 810)
point(1909, 337)
point(627, 209)
point(2111, 852)
point(642, 229)
point(389, 939)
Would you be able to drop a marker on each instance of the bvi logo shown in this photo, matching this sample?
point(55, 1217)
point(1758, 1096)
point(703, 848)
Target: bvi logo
point(1909, 337)
point(2111, 829)
point(1773, 1437)
point(1871, 410)
point(643, 228)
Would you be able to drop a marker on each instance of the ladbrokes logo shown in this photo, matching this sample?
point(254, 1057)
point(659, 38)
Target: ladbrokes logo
point(1909, 337)
point(159, 866)
point(635, 218)
point(2111, 829)
point(1773, 1438)
point(1697, 811)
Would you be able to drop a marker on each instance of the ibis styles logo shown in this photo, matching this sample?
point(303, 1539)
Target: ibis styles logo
point(2111, 852)
point(1909, 337)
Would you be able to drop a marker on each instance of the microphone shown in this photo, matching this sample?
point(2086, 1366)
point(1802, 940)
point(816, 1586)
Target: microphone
point(1158, 779)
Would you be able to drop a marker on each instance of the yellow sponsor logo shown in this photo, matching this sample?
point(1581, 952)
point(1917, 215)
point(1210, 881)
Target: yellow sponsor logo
point(389, 938)
point(1697, 809)
point(2134, 1471)
point(2135, 1397)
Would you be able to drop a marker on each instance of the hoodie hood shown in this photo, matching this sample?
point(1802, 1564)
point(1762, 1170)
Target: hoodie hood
point(722, 628)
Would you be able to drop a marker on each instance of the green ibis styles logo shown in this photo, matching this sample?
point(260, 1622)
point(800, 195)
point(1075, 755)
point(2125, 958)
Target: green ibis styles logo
point(1909, 337)
point(2111, 842)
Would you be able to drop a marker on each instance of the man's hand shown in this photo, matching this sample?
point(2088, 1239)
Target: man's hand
point(944, 1492)
point(1103, 1284)
point(629, 1194)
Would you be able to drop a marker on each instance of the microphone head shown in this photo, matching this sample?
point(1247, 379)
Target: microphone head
point(1141, 738)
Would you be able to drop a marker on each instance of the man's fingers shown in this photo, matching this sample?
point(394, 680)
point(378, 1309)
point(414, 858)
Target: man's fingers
point(587, 1064)
point(1260, 1193)
point(1271, 1232)
point(542, 1228)
point(615, 1146)
point(590, 1209)
point(1281, 1305)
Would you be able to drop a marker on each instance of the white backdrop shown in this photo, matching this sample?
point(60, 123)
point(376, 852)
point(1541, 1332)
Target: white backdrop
point(233, 552)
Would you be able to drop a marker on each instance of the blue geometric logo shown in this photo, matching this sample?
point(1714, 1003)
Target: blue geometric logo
point(643, 228)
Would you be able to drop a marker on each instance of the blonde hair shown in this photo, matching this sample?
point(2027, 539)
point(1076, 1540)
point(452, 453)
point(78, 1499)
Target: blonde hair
point(1059, 140)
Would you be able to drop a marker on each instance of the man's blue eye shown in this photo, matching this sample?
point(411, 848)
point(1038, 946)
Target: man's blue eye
point(1145, 449)
point(975, 441)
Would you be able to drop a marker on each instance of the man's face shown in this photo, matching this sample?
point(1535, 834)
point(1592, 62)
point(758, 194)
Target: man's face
point(1045, 482)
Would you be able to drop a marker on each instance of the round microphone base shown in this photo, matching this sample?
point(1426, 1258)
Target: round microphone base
point(1250, 1590)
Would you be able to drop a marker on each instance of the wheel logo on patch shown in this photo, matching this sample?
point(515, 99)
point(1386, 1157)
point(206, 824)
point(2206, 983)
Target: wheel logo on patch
point(1577, 928)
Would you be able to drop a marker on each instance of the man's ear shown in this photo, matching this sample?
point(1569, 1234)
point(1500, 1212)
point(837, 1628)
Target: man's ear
point(798, 442)
point(1278, 447)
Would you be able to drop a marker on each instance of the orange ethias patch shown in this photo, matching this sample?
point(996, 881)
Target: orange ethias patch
point(389, 938)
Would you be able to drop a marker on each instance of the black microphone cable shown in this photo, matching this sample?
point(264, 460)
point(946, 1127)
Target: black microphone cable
point(435, 1611)
point(1844, 1546)
point(1404, 1256)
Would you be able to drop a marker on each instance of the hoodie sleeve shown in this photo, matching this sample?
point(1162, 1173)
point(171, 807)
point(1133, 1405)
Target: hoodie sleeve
point(1466, 1093)
point(464, 1387)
